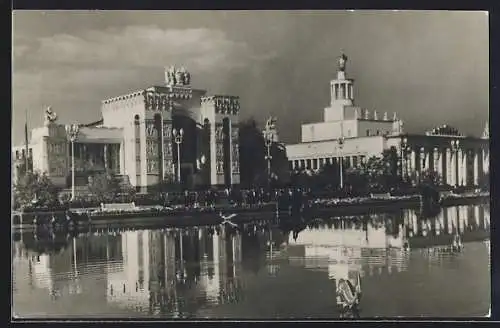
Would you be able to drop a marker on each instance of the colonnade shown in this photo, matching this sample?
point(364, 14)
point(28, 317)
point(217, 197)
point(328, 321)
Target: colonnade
point(454, 165)
point(316, 163)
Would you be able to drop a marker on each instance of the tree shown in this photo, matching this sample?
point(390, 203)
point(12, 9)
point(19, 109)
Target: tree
point(252, 153)
point(106, 186)
point(35, 188)
point(253, 163)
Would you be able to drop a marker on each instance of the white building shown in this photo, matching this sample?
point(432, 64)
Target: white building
point(354, 134)
point(135, 138)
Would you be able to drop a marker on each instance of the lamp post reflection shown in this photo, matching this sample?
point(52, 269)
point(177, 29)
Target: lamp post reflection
point(72, 132)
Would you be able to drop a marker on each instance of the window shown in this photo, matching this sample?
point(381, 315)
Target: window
point(367, 133)
point(308, 164)
point(315, 164)
point(378, 132)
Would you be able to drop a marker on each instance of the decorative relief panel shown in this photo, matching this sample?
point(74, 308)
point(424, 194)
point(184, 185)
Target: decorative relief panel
point(152, 165)
point(235, 167)
point(224, 104)
point(219, 133)
point(57, 148)
point(220, 167)
point(151, 131)
point(57, 158)
point(181, 93)
point(235, 158)
point(219, 151)
point(169, 167)
point(167, 148)
point(167, 130)
point(234, 133)
point(155, 101)
point(151, 148)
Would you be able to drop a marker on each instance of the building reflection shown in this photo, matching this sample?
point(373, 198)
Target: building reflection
point(62, 265)
point(173, 271)
point(380, 243)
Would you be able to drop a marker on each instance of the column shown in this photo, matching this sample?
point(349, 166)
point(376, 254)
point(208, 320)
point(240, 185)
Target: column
point(121, 156)
point(486, 161)
point(106, 157)
point(427, 160)
point(449, 167)
point(439, 165)
point(476, 167)
point(413, 160)
point(418, 164)
point(464, 161)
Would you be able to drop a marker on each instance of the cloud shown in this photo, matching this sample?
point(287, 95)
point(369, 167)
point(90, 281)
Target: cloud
point(140, 46)
point(74, 72)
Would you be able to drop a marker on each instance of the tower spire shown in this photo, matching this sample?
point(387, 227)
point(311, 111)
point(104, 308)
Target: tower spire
point(342, 61)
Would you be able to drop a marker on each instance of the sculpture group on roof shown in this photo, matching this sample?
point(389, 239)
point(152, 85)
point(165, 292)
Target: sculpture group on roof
point(445, 130)
point(174, 76)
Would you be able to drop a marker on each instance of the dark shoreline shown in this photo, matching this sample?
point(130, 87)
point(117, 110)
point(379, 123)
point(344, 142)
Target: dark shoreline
point(267, 212)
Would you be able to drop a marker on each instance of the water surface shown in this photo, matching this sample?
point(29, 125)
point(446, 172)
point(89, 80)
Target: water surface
point(260, 271)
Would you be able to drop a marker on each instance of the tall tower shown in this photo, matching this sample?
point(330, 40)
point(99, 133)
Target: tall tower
point(342, 89)
point(341, 93)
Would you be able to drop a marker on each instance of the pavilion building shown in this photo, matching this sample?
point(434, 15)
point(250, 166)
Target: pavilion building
point(135, 139)
point(353, 134)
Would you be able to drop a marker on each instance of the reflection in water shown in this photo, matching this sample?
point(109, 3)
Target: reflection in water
point(401, 261)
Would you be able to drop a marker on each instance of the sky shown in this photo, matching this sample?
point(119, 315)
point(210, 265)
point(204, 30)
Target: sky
point(431, 67)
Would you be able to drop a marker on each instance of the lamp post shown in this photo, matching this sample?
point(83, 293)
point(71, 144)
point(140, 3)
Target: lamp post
point(178, 137)
point(269, 142)
point(404, 152)
point(455, 145)
point(341, 162)
point(72, 132)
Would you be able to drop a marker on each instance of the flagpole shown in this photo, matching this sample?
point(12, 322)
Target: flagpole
point(26, 141)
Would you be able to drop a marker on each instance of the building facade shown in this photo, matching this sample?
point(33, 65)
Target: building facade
point(136, 138)
point(352, 134)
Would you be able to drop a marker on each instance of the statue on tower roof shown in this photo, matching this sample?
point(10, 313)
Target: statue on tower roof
point(50, 116)
point(342, 60)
